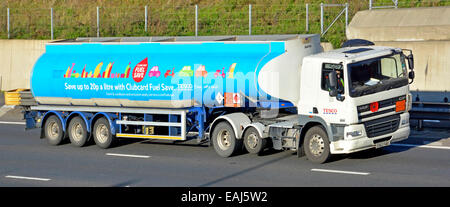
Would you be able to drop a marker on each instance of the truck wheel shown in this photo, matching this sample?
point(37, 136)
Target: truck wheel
point(253, 143)
point(224, 140)
point(77, 130)
point(102, 134)
point(316, 145)
point(53, 130)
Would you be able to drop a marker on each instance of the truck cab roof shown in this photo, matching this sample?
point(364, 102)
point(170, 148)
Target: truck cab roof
point(353, 54)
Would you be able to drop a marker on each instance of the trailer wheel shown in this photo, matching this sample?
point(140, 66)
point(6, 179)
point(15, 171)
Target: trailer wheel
point(77, 130)
point(316, 145)
point(224, 140)
point(254, 144)
point(103, 137)
point(53, 130)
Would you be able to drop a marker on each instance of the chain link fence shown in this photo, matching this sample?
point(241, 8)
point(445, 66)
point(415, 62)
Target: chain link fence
point(187, 19)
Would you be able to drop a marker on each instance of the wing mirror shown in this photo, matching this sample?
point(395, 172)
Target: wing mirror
point(410, 59)
point(332, 82)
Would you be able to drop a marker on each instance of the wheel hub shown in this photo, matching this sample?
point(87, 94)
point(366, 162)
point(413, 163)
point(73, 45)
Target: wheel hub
point(53, 130)
point(316, 145)
point(77, 132)
point(224, 139)
point(252, 141)
point(102, 133)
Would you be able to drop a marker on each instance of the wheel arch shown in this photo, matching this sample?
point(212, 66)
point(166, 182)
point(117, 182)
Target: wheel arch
point(61, 118)
point(238, 122)
point(308, 122)
point(85, 116)
point(109, 116)
point(259, 128)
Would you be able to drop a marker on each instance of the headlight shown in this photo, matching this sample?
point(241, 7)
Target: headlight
point(355, 133)
point(405, 121)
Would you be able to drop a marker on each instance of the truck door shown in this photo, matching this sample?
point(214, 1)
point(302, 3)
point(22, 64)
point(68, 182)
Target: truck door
point(332, 109)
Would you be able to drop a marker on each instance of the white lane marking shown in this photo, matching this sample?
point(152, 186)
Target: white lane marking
point(27, 178)
point(12, 122)
point(421, 146)
point(340, 171)
point(127, 155)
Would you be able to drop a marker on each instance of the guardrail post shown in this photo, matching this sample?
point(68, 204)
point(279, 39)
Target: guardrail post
point(51, 23)
point(307, 17)
point(249, 19)
point(196, 20)
point(8, 24)
point(146, 17)
point(98, 23)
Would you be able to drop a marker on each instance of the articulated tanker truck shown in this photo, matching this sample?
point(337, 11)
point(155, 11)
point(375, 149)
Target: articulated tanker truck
point(237, 92)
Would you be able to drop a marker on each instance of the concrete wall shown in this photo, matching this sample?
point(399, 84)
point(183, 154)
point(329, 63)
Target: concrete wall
point(17, 58)
point(426, 31)
point(406, 24)
point(431, 63)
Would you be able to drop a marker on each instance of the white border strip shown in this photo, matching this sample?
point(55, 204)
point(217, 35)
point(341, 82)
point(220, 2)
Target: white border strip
point(127, 155)
point(27, 178)
point(340, 171)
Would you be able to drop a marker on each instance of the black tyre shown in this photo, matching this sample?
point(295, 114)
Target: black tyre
point(77, 131)
point(316, 145)
point(224, 140)
point(53, 130)
point(101, 132)
point(253, 143)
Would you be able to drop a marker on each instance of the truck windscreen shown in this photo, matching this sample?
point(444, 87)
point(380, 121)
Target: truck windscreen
point(377, 74)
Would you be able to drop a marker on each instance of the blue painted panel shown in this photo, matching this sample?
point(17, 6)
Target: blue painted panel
point(151, 71)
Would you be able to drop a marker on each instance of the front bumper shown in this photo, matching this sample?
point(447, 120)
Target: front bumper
point(354, 144)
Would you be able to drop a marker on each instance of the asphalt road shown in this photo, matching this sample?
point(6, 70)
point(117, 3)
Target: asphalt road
point(26, 160)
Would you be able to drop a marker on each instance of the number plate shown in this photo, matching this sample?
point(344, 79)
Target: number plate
point(149, 130)
point(383, 144)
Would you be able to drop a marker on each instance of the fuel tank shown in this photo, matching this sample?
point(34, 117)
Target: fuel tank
point(172, 72)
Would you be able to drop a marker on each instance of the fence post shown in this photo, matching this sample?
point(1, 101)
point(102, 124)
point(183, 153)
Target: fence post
point(98, 23)
point(249, 19)
point(51, 23)
point(346, 16)
point(307, 17)
point(321, 18)
point(196, 20)
point(146, 17)
point(7, 24)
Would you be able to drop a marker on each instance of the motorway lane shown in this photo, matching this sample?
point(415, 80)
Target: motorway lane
point(22, 153)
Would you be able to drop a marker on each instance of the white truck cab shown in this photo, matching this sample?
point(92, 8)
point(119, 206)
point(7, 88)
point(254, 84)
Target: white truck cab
point(345, 100)
point(367, 105)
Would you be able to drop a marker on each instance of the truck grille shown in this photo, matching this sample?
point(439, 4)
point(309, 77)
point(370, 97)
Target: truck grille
point(382, 126)
point(384, 106)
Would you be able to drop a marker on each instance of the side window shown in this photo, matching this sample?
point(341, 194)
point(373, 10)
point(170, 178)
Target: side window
point(327, 68)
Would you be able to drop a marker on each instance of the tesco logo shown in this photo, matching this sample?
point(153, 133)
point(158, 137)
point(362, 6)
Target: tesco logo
point(330, 111)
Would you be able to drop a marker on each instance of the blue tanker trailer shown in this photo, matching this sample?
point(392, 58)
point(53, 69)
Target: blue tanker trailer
point(229, 90)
